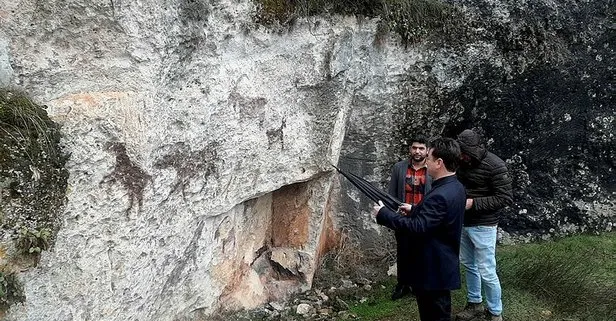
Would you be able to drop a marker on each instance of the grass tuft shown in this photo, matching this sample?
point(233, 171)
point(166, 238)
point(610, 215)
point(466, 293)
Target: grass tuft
point(574, 275)
point(573, 278)
point(412, 20)
point(27, 120)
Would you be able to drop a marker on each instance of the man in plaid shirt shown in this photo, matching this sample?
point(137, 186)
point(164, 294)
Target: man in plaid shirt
point(409, 183)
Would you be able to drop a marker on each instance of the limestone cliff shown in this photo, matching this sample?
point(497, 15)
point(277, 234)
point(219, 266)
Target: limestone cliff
point(200, 141)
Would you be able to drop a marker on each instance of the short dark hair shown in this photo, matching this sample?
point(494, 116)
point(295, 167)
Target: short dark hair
point(418, 139)
point(448, 150)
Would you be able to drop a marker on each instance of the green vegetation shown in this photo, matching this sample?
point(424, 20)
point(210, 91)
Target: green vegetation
point(570, 279)
point(576, 275)
point(33, 179)
point(10, 290)
point(32, 241)
point(23, 121)
point(413, 20)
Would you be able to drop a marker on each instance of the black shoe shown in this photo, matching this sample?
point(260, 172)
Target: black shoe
point(470, 312)
point(400, 291)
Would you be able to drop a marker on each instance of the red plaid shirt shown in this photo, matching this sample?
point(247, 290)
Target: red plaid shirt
point(415, 186)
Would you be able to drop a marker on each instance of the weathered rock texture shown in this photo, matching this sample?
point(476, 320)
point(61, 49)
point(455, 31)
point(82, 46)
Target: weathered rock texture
point(537, 80)
point(548, 109)
point(33, 183)
point(200, 141)
point(200, 148)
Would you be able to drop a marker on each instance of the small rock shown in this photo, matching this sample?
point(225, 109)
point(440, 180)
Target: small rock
point(325, 311)
point(324, 297)
point(546, 313)
point(347, 284)
point(277, 306)
point(393, 270)
point(342, 304)
point(363, 300)
point(367, 287)
point(303, 309)
point(343, 315)
point(363, 281)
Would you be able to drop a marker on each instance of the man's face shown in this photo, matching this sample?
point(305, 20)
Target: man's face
point(418, 152)
point(432, 164)
point(465, 160)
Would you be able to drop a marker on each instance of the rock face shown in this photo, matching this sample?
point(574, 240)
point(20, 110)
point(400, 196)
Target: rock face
point(200, 147)
point(540, 91)
point(200, 141)
point(550, 114)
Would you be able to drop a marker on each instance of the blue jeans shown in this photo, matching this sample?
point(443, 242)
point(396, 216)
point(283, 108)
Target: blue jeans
point(478, 255)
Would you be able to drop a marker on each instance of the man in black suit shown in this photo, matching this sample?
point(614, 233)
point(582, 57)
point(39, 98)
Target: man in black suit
point(435, 226)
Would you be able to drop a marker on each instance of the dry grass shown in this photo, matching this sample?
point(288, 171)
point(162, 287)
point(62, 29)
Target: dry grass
point(353, 260)
point(23, 121)
point(412, 20)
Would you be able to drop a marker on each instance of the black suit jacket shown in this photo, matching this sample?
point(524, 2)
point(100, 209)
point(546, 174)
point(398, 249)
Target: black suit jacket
point(435, 227)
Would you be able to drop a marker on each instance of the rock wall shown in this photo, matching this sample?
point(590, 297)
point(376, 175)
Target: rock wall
point(536, 79)
point(201, 142)
point(200, 148)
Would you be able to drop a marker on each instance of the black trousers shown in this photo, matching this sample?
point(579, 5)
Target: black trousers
point(434, 305)
point(403, 262)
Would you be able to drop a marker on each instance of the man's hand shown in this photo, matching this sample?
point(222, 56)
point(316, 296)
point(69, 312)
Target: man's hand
point(469, 203)
point(405, 209)
point(377, 208)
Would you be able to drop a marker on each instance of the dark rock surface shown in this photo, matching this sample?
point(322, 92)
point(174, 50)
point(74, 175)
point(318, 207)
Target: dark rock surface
point(544, 100)
point(550, 116)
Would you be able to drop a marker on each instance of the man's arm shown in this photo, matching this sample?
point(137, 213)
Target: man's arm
point(502, 194)
point(425, 219)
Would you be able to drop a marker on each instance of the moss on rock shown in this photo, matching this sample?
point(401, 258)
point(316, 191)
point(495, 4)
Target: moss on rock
point(33, 179)
point(10, 290)
point(412, 20)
